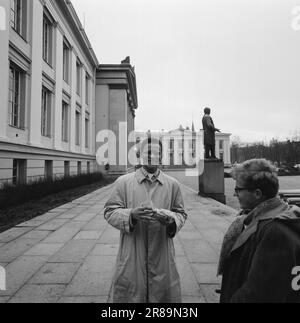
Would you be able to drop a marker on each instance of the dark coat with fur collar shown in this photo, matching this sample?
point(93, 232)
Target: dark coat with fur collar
point(259, 263)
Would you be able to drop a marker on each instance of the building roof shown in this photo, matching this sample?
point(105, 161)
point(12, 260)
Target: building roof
point(122, 75)
point(72, 17)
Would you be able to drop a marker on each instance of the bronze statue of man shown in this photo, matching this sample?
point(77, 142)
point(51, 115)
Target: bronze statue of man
point(209, 135)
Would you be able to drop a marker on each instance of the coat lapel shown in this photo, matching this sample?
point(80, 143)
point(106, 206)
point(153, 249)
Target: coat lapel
point(266, 211)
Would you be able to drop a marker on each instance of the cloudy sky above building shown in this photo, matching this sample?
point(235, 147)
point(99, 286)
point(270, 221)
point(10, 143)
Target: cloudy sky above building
point(239, 57)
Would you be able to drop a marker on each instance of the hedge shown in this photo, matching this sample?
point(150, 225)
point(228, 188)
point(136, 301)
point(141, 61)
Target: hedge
point(12, 195)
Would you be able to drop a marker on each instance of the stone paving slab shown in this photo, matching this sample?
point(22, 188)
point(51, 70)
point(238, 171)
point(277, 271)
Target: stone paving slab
point(38, 294)
point(53, 225)
point(206, 273)
point(73, 251)
point(48, 216)
point(13, 234)
point(55, 273)
point(16, 248)
point(20, 271)
point(44, 249)
point(105, 250)
point(189, 285)
point(199, 251)
point(36, 234)
point(88, 235)
point(68, 255)
point(63, 235)
point(209, 293)
point(32, 223)
point(93, 278)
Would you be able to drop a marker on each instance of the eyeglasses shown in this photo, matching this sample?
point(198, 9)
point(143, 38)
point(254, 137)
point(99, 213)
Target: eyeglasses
point(240, 189)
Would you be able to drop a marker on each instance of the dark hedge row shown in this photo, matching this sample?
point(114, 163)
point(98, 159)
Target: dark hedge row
point(11, 195)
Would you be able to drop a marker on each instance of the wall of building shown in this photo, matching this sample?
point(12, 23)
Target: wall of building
point(115, 105)
point(25, 51)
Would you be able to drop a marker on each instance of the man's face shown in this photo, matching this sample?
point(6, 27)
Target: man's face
point(249, 199)
point(151, 156)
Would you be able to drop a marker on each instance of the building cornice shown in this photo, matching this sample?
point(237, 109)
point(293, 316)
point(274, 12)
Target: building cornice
point(127, 82)
point(70, 14)
point(16, 149)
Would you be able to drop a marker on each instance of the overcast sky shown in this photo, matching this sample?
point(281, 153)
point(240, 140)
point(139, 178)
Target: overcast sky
point(239, 57)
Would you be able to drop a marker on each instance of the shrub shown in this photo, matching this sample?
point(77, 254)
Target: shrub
point(11, 195)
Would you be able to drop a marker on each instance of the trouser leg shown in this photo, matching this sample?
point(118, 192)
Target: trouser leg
point(213, 151)
point(207, 151)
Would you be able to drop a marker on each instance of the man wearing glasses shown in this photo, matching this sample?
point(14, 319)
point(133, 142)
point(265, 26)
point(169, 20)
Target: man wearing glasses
point(262, 247)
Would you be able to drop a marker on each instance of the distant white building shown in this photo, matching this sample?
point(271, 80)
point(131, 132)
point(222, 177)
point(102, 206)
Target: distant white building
point(48, 109)
point(184, 145)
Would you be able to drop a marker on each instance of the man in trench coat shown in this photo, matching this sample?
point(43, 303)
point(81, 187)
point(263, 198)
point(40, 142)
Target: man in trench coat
point(148, 209)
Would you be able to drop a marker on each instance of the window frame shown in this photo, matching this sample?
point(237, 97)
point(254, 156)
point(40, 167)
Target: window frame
point(18, 17)
point(87, 89)
point(66, 62)
point(46, 113)
point(78, 126)
point(78, 77)
point(19, 171)
point(16, 97)
point(65, 122)
point(47, 39)
point(87, 131)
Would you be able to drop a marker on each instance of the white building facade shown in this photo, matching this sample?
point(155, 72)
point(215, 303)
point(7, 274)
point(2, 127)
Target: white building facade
point(47, 92)
point(182, 147)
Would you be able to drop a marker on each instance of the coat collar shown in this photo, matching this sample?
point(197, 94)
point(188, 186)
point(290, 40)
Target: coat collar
point(141, 176)
point(267, 210)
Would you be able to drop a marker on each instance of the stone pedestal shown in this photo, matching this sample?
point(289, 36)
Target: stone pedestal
point(211, 182)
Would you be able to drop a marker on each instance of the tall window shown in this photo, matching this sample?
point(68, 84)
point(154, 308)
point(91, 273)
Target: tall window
point(87, 89)
point(221, 144)
point(19, 171)
point(48, 169)
point(46, 113)
point(16, 97)
point(47, 40)
point(67, 168)
point(78, 128)
point(66, 62)
point(78, 77)
point(18, 19)
point(79, 168)
point(65, 122)
point(87, 131)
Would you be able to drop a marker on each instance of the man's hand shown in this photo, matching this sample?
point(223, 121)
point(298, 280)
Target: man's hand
point(142, 214)
point(164, 219)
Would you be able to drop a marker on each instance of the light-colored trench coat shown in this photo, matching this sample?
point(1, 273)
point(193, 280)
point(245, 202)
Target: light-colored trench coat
point(146, 270)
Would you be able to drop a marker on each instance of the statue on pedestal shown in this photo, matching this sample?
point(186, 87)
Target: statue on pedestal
point(209, 135)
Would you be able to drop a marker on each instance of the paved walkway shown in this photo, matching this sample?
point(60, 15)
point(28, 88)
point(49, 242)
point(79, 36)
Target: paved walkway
point(68, 254)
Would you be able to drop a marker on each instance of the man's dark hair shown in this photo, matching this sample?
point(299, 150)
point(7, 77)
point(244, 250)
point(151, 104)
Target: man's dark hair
point(207, 111)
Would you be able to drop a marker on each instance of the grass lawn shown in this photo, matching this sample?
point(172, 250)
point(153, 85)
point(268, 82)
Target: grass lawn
point(15, 215)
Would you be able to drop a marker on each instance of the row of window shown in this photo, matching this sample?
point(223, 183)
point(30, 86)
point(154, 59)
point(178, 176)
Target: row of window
point(17, 92)
point(20, 170)
point(48, 28)
point(18, 23)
